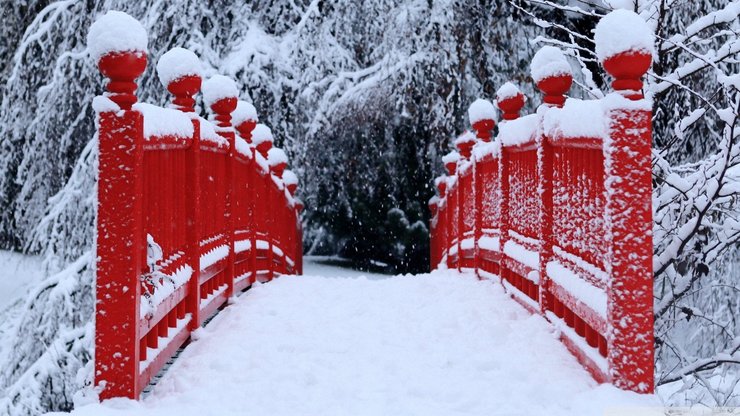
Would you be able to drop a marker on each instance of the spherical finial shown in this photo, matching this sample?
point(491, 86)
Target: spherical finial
point(220, 95)
point(291, 181)
point(552, 74)
point(510, 100)
point(299, 206)
point(262, 139)
point(118, 43)
point(433, 205)
point(482, 115)
point(450, 161)
point(625, 45)
point(180, 71)
point(244, 118)
point(278, 160)
point(465, 143)
point(441, 184)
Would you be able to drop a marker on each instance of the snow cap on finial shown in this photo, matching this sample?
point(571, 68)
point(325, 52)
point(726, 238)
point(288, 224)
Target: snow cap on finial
point(549, 62)
point(276, 156)
point(481, 110)
point(217, 88)
point(178, 63)
point(261, 134)
point(510, 100)
point(116, 32)
point(623, 31)
point(244, 112)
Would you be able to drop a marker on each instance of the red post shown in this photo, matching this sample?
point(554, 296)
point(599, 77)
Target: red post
point(119, 230)
point(184, 89)
point(221, 109)
point(629, 213)
point(244, 127)
point(483, 129)
point(554, 89)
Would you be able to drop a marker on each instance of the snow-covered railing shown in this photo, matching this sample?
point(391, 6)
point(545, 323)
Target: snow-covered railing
point(190, 211)
point(562, 213)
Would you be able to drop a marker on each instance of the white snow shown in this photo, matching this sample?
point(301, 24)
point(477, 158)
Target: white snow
point(481, 110)
point(242, 147)
point(218, 87)
point(437, 344)
point(276, 156)
point(590, 295)
point(244, 112)
point(483, 149)
point(508, 90)
point(467, 244)
point(519, 131)
point(242, 245)
point(621, 31)
point(467, 137)
point(260, 134)
point(576, 119)
point(160, 121)
point(18, 272)
point(289, 177)
point(213, 256)
point(208, 133)
point(548, 62)
point(115, 32)
point(489, 243)
point(521, 254)
point(102, 104)
point(177, 63)
point(451, 157)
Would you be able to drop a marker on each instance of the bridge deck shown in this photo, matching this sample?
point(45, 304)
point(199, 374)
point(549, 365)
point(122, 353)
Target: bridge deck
point(438, 344)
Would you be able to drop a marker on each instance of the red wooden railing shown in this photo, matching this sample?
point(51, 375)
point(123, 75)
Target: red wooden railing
point(563, 216)
point(190, 212)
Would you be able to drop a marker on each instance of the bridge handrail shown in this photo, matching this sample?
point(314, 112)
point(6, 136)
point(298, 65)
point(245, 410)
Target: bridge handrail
point(188, 213)
point(563, 207)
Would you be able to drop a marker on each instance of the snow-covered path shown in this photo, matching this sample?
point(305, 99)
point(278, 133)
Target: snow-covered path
point(435, 344)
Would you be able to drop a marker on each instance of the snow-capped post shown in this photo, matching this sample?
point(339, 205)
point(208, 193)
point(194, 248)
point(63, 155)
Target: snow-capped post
point(624, 46)
point(291, 181)
point(450, 161)
point(118, 43)
point(481, 115)
point(220, 95)
point(278, 161)
point(244, 118)
point(180, 71)
point(262, 139)
point(464, 144)
point(552, 73)
point(441, 184)
point(510, 101)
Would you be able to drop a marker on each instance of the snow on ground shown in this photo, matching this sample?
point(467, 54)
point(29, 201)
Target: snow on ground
point(435, 344)
point(17, 273)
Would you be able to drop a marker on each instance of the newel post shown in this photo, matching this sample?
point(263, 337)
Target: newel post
point(450, 161)
point(481, 115)
point(120, 222)
point(220, 95)
point(629, 202)
point(510, 101)
point(554, 85)
point(245, 119)
point(278, 161)
point(179, 70)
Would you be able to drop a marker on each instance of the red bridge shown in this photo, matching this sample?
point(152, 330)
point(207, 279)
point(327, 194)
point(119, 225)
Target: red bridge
point(191, 212)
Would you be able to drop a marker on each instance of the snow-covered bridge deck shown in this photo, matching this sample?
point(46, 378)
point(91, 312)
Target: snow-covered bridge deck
point(434, 344)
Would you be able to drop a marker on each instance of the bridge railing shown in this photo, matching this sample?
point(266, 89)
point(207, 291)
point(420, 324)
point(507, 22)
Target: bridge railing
point(190, 211)
point(562, 207)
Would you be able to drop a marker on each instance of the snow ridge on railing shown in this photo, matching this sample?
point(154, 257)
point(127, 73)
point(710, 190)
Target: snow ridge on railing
point(188, 213)
point(561, 201)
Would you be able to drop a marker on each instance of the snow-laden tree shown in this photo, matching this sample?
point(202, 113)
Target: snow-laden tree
point(695, 88)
